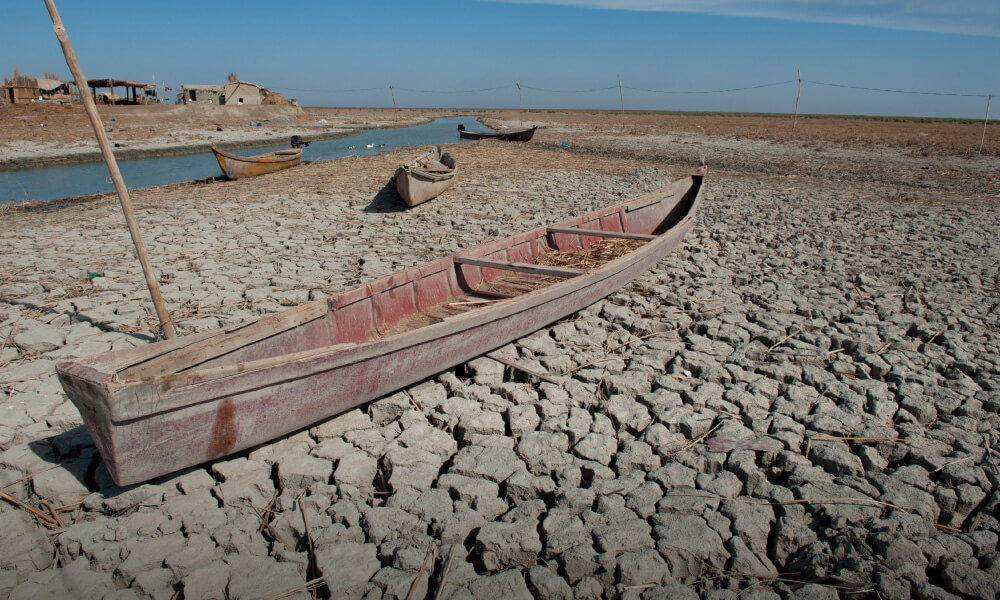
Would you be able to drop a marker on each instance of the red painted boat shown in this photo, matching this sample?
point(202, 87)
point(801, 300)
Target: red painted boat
point(159, 408)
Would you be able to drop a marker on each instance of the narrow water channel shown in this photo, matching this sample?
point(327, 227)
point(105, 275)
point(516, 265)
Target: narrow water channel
point(52, 183)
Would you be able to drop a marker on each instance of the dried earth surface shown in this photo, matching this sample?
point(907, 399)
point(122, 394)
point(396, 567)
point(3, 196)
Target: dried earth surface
point(800, 402)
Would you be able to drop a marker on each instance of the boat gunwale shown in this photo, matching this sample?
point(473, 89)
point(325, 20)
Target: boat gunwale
point(328, 358)
point(446, 174)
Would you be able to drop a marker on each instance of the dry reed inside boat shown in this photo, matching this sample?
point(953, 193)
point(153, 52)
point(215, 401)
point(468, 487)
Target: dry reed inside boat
point(595, 255)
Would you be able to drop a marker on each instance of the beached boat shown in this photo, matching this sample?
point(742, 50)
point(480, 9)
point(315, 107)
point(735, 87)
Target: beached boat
point(235, 167)
point(425, 177)
point(165, 406)
point(512, 136)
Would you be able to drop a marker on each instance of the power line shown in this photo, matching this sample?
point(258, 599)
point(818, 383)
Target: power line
point(753, 87)
point(638, 89)
point(610, 87)
point(856, 87)
point(372, 89)
point(492, 89)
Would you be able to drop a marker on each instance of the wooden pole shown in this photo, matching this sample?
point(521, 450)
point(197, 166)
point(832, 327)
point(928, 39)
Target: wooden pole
point(396, 110)
point(166, 325)
point(520, 103)
point(622, 98)
point(796, 117)
point(985, 121)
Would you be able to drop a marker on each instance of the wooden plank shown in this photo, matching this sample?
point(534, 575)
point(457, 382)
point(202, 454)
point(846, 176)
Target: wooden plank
point(215, 373)
point(227, 341)
point(488, 294)
point(600, 233)
point(514, 365)
point(565, 272)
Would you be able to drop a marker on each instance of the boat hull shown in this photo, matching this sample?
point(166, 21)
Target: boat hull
point(415, 187)
point(237, 167)
point(149, 426)
point(514, 136)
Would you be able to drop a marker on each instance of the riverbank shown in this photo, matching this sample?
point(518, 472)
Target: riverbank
point(53, 135)
point(801, 400)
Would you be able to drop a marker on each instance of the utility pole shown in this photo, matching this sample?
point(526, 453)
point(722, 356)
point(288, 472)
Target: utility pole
point(796, 117)
point(520, 103)
point(622, 98)
point(985, 121)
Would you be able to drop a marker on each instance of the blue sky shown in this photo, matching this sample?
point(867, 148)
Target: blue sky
point(347, 54)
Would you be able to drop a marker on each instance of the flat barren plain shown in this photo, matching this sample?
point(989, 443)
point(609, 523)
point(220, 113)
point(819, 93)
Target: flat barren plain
point(799, 402)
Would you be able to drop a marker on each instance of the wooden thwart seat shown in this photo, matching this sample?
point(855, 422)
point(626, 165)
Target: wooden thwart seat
point(599, 233)
point(489, 263)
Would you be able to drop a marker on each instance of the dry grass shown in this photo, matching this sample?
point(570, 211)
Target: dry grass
point(595, 255)
point(920, 138)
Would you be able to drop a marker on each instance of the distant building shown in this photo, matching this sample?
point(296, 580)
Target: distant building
point(210, 94)
point(234, 93)
point(243, 92)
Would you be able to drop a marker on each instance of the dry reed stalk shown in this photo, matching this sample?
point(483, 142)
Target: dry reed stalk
point(444, 574)
point(782, 341)
point(696, 441)
point(432, 556)
point(595, 255)
point(835, 438)
point(38, 514)
point(838, 500)
point(525, 370)
point(311, 567)
point(308, 586)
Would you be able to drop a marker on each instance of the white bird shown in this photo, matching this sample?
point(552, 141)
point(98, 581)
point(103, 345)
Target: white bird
point(351, 147)
point(381, 145)
point(369, 145)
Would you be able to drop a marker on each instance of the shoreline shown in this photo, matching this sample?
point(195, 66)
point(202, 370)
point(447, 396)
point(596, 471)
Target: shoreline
point(128, 154)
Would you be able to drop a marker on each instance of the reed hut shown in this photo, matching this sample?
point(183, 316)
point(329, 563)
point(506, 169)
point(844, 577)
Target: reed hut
point(135, 92)
point(20, 89)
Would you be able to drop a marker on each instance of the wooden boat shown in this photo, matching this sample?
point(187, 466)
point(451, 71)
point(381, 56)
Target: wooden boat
point(235, 167)
point(155, 409)
point(426, 177)
point(513, 136)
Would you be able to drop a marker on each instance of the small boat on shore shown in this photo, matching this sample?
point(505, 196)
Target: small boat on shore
point(235, 166)
point(513, 136)
point(162, 407)
point(425, 177)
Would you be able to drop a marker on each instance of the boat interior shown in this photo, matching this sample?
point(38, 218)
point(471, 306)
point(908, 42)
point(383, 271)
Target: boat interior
point(473, 280)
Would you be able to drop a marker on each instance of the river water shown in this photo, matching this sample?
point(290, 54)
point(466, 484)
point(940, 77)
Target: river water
point(52, 183)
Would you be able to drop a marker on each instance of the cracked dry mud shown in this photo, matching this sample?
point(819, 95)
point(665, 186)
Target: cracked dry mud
point(850, 332)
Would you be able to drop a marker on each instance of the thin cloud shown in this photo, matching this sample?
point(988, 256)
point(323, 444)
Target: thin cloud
point(969, 17)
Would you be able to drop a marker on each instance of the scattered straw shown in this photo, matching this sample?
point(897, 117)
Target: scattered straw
point(838, 500)
point(305, 587)
point(835, 438)
point(595, 255)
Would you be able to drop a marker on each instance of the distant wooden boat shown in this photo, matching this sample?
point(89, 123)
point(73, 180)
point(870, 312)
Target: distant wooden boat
point(165, 406)
point(235, 167)
point(513, 136)
point(425, 177)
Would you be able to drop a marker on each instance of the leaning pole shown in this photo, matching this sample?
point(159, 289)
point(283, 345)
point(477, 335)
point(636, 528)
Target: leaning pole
point(166, 325)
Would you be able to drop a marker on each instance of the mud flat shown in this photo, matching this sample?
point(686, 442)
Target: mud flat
point(847, 328)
